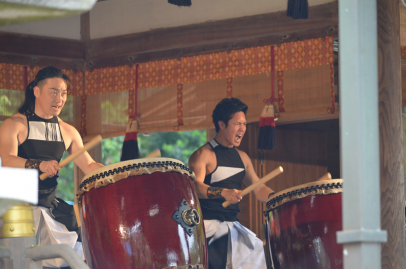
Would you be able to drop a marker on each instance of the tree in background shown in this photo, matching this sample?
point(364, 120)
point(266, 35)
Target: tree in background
point(10, 101)
point(65, 187)
point(177, 145)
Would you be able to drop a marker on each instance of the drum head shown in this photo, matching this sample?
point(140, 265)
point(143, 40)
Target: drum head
point(114, 172)
point(321, 187)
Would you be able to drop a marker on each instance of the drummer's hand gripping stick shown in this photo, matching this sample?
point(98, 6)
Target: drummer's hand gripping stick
point(263, 180)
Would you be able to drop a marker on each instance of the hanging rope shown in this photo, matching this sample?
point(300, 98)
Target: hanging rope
point(135, 114)
point(272, 77)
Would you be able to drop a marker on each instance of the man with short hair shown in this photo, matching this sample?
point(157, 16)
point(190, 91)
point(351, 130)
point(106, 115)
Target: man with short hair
point(220, 169)
point(36, 138)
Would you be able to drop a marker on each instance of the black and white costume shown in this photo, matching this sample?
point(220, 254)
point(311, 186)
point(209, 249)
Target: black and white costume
point(54, 219)
point(230, 245)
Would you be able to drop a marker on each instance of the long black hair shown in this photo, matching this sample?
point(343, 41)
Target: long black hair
point(28, 107)
point(226, 109)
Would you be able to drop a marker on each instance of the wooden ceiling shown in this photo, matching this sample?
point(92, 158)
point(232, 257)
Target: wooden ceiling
point(164, 43)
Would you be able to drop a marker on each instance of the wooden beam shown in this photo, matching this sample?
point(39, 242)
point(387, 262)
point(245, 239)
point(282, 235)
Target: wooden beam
point(85, 31)
point(210, 48)
point(11, 58)
point(169, 43)
point(41, 46)
point(230, 30)
point(85, 27)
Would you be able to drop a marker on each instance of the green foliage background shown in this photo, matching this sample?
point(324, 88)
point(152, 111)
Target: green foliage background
point(177, 145)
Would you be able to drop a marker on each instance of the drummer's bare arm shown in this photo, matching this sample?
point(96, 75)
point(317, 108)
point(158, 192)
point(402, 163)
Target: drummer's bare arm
point(201, 163)
point(13, 132)
point(9, 132)
point(74, 142)
point(262, 192)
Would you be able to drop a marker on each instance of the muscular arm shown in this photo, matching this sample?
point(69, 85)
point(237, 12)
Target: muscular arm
point(198, 163)
point(84, 161)
point(9, 131)
point(262, 192)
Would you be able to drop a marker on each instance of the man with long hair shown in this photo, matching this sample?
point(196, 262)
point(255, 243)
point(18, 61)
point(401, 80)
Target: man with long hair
point(36, 138)
point(220, 169)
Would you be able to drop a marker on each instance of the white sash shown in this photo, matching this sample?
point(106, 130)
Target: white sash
point(50, 232)
point(245, 250)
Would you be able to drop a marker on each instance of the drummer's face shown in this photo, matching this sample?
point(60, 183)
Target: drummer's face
point(50, 96)
point(235, 129)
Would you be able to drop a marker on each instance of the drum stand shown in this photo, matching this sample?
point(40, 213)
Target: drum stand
point(18, 244)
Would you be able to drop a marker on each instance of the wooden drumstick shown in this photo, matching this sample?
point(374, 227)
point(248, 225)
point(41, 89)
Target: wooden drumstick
point(77, 214)
point(325, 177)
point(154, 154)
point(89, 145)
point(263, 180)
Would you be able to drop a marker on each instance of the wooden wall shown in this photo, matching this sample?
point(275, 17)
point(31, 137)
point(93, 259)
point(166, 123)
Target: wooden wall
point(306, 151)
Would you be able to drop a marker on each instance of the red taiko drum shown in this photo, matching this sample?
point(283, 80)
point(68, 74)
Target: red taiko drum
point(302, 223)
point(142, 214)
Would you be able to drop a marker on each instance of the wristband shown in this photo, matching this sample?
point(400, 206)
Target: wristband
point(33, 164)
point(214, 192)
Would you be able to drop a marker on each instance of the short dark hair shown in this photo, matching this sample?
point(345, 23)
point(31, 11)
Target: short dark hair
point(28, 107)
point(226, 109)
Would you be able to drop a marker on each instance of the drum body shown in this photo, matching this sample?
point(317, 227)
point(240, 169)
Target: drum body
point(302, 223)
point(130, 223)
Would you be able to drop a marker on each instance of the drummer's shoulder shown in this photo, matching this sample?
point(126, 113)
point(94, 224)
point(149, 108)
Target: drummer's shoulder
point(14, 121)
point(202, 153)
point(67, 128)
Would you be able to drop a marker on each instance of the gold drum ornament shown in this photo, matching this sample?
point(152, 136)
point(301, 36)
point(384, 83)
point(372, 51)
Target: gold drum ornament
point(18, 222)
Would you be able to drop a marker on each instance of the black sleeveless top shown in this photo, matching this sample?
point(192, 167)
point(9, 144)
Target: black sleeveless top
point(229, 173)
point(44, 142)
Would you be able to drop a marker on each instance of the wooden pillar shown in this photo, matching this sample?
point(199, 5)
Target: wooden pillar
point(404, 146)
point(390, 134)
point(93, 123)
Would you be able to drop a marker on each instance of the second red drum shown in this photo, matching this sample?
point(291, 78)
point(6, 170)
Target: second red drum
point(302, 223)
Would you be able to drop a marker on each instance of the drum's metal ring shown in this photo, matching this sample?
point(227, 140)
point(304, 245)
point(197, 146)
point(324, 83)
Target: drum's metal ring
point(111, 176)
point(321, 187)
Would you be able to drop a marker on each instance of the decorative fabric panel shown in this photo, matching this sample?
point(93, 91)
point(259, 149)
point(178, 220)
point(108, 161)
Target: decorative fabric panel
point(256, 60)
point(305, 53)
point(110, 79)
point(12, 77)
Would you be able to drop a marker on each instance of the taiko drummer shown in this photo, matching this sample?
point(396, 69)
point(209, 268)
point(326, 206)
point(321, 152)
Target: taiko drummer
point(220, 169)
point(37, 138)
